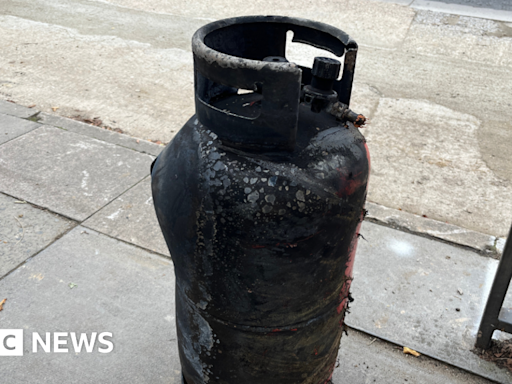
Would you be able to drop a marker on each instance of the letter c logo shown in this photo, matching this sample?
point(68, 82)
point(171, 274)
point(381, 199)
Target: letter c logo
point(11, 342)
point(5, 342)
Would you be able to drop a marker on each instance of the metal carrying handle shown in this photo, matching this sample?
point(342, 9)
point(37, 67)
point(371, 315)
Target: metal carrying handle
point(228, 55)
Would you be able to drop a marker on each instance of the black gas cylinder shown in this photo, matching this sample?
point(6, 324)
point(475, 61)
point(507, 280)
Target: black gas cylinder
point(260, 197)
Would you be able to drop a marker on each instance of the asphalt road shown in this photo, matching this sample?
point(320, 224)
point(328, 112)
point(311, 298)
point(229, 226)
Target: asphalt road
point(504, 5)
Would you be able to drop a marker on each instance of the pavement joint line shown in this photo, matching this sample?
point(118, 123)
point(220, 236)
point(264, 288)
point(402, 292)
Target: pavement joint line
point(409, 222)
point(45, 209)
point(81, 223)
point(23, 134)
point(167, 258)
point(101, 134)
point(490, 254)
point(9, 108)
point(115, 198)
point(74, 224)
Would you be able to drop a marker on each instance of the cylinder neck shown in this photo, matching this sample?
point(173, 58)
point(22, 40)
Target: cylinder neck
point(243, 60)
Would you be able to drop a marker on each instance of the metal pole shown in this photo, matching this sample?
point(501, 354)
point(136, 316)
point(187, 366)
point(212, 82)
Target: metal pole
point(491, 319)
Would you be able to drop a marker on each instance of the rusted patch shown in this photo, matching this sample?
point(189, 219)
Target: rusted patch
point(360, 121)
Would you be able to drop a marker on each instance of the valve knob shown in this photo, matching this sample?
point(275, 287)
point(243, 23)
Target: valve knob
point(326, 68)
point(325, 71)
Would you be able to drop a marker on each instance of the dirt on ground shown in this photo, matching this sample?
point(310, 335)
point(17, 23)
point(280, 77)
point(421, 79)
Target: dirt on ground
point(500, 353)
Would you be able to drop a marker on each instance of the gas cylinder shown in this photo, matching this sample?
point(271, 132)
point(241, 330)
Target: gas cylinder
point(260, 198)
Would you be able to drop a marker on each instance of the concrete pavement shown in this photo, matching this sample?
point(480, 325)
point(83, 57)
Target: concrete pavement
point(435, 86)
point(76, 210)
point(81, 251)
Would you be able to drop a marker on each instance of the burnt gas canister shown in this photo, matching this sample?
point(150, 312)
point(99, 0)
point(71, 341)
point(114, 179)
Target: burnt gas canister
point(260, 197)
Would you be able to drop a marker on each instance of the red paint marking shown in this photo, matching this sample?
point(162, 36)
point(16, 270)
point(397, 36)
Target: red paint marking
point(293, 329)
point(294, 245)
point(256, 246)
point(341, 306)
point(349, 267)
point(369, 161)
point(330, 376)
point(348, 185)
point(276, 330)
point(316, 352)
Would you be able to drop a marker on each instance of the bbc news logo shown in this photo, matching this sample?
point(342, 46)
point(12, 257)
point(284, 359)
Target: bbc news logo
point(11, 342)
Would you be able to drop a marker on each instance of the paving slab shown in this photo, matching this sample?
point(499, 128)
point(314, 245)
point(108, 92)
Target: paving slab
point(13, 109)
point(406, 221)
point(70, 174)
point(12, 127)
point(365, 359)
point(25, 230)
point(129, 292)
point(423, 294)
point(117, 288)
point(102, 134)
point(131, 218)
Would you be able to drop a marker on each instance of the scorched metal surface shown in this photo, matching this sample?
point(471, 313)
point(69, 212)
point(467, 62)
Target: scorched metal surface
point(260, 198)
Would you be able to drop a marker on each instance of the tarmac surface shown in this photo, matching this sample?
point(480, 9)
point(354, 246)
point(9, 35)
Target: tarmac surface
point(80, 247)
